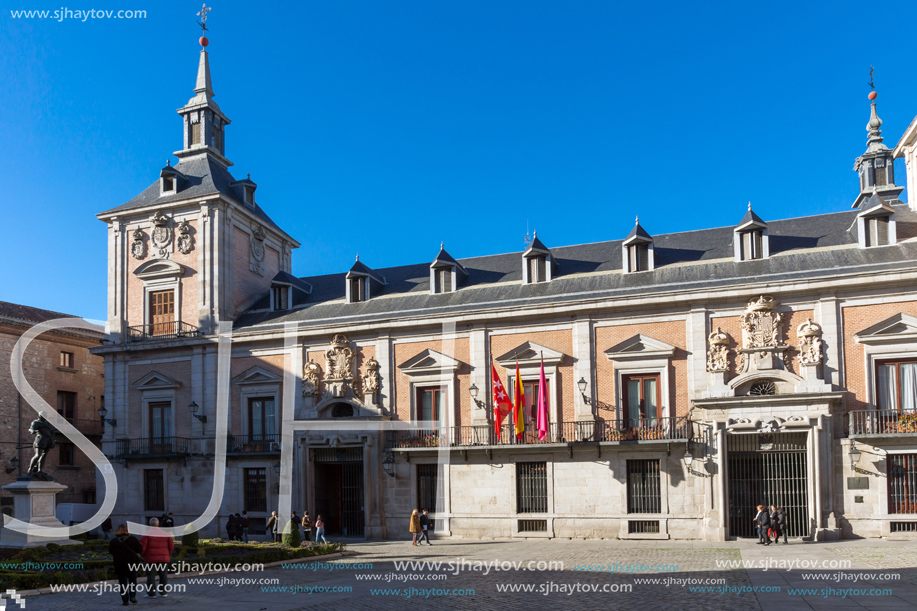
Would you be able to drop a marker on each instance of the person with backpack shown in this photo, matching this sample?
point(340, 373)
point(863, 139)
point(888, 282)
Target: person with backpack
point(306, 526)
point(245, 524)
point(125, 551)
point(763, 520)
point(781, 525)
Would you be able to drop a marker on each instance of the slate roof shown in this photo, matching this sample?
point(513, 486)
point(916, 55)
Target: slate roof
point(27, 316)
point(639, 232)
point(751, 217)
point(808, 247)
point(204, 176)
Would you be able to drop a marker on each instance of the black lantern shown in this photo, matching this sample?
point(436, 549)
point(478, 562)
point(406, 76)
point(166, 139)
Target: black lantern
point(582, 385)
point(474, 396)
point(388, 465)
point(194, 407)
point(104, 412)
point(854, 457)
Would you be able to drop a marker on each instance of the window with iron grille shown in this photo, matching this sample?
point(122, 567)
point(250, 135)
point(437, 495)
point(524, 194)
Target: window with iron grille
point(429, 487)
point(153, 490)
point(257, 526)
point(531, 487)
point(902, 483)
point(255, 490)
point(643, 491)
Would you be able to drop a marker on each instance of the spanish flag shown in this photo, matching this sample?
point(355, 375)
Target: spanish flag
point(518, 412)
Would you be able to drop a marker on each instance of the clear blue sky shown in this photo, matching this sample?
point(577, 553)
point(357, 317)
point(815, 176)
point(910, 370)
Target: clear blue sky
point(386, 127)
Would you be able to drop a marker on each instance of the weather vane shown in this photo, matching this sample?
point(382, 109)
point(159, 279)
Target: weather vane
point(203, 15)
point(871, 84)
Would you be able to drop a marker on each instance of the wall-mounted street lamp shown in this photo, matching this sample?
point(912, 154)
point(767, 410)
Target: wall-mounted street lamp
point(194, 407)
point(688, 458)
point(277, 467)
point(388, 465)
point(104, 412)
point(854, 457)
point(474, 397)
point(583, 384)
point(14, 464)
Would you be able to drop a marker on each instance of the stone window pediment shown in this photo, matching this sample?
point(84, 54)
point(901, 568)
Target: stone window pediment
point(155, 381)
point(257, 375)
point(899, 328)
point(429, 362)
point(530, 354)
point(640, 347)
point(159, 268)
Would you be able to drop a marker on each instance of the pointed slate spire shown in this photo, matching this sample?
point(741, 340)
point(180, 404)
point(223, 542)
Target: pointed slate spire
point(876, 166)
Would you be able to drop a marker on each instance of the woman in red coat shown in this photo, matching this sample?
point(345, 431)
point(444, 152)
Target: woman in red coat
point(157, 551)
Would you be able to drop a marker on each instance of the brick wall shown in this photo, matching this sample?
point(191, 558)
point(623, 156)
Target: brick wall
point(247, 285)
point(560, 340)
point(407, 351)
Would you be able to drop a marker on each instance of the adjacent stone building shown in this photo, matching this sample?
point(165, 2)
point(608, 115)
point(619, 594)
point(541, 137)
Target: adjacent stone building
point(70, 379)
point(689, 376)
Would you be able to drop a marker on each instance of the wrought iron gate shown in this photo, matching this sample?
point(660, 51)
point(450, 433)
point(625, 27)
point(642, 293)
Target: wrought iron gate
point(339, 490)
point(769, 469)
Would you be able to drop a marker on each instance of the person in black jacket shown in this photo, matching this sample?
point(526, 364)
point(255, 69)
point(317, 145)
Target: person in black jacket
point(424, 528)
point(763, 520)
point(781, 524)
point(125, 550)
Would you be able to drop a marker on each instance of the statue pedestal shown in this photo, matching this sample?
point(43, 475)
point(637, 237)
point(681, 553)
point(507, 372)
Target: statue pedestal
point(34, 502)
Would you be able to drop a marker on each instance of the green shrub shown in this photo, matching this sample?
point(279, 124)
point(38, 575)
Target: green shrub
point(290, 536)
point(190, 540)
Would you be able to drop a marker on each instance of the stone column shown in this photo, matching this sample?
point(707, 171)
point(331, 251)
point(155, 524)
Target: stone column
point(480, 374)
point(583, 368)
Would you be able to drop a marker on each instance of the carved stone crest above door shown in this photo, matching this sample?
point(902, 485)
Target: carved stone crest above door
point(761, 323)
point(161, 236)
point(184, 238)
point(256, 250)
point(339, 366)
point(311, 379)
point(138, 249)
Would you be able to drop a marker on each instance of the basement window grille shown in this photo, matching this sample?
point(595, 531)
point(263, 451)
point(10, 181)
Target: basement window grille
point(531, 487)
point(643, 527)
point(904, 527)
point(533, 526)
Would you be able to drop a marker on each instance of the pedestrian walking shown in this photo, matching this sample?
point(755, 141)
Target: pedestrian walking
point(763, 521)
point(772, 531)
point(306, 526)
point(415, 525)
point(246, 523)
point(231, 527)
point(126, 552)
point(320, 529)
point(238, 527)
point(295, 523)
point(106, 529)
point(156, 547)
point(781, 524)
point(272, 525)
point(167, 520)
point(425, 524)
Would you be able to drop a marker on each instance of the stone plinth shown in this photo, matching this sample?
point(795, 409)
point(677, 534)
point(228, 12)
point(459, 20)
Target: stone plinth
point(34, 502)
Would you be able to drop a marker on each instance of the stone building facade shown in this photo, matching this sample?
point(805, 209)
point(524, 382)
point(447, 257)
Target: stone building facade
point(689, 377)
point(70, 379)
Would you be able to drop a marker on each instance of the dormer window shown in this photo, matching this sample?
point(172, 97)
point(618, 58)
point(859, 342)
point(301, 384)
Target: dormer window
point(280, 298)
point(750, 244)
point(442, 280)
point(168, 184)
point(445, 273)
point(637, 250)
point(749, 240)
point(250, 195)
point(357, 290)
point(168, 180)
point(537, 269)
point(876, 223)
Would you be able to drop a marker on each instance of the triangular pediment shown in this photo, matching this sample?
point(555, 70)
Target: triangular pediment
point(429, 361)
point(899, 328)
point(257, 375)
point(530, 353)
point(639, 347)
point(155, 381)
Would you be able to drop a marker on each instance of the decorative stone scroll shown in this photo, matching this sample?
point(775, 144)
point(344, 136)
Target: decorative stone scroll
point(185, 242)
point(138, 249)
point(811, 347)
point(161, 236)
point(761, 323)
point(339, 366)
point(256, 250)
point(371, 378)
point(311, 379)
point(718, 352)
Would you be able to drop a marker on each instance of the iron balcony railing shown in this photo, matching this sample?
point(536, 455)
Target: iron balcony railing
point(640, 429)
point(253, 444)
point(152, 446)
point(882, 422)
point(162, 330)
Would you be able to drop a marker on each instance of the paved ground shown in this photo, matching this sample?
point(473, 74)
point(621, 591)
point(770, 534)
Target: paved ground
point(871, 561)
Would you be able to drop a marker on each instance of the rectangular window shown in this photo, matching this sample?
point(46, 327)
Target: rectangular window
point(66, 360)
point(66, 405)
point(751, 245)
point(644, 494)
point(537, 269)
point(255, 490)
point(531, 487)
point(162, 312)
point(281, 297)
point(429, 487)
point(153, 490)
point(261, 417)
point(639, 257)
point(876, 231)
point(530, 401)
point(168, 183)
point(442, 279)
point(642, 397)
point(896, 385)
point(431, 403)
point(196, 133)
point(357, 290)
point(160, 427)
point(249, 195)
point(902, 483)
point(66, 458)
